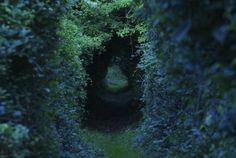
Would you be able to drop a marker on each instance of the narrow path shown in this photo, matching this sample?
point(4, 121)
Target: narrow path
point(115, 145)
point(112, 130)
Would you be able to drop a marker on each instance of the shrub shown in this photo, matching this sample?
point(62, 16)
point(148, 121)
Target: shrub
point(42, 81)
point(189, 81)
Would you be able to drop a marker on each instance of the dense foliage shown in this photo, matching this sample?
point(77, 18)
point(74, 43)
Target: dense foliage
point(101, 20)
point(45, 46)
point(42, 81)
point(189, 79)
point(187, 69)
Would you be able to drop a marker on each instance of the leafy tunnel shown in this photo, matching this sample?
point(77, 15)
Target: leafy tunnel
point(112, 93)
point(178, 56)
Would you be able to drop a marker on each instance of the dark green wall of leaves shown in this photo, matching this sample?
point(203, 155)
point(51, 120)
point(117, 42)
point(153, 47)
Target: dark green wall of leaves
point(42, 81)
point(189, 81)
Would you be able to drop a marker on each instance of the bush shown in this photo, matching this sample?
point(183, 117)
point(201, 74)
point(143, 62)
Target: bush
point(42, 81)
point(189, 81)
point(12, 139)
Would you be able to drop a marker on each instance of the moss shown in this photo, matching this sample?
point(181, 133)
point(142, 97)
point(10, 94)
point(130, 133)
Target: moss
point(115, 80)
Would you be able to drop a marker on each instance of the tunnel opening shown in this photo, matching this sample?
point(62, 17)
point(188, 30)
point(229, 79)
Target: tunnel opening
point(116, 107)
